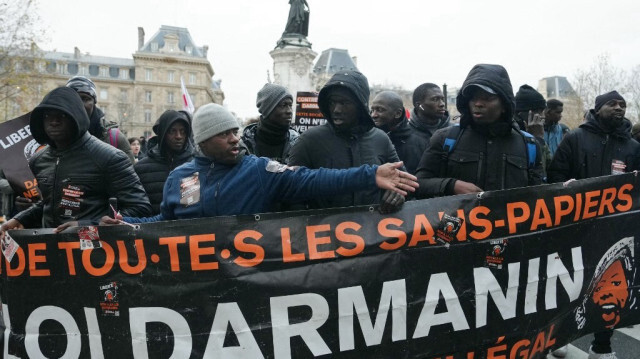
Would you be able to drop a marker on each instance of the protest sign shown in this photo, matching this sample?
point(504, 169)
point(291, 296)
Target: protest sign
point(509, 274)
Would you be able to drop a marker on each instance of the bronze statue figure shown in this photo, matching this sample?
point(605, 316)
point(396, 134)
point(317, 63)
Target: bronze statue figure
point(298, 22)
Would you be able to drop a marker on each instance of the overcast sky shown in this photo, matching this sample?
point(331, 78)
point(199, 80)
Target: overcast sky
point(399, 42)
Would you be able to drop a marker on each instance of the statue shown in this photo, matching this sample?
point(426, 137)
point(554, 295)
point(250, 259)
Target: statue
point(298, 22)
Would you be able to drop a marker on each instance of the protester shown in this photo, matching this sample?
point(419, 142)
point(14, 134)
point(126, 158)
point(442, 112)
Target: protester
point(348, 139)
point(272, 136)
point(223, 180)
point(76, 173)
point(169, 149)
point(108, 132)
point(134, 143)
point(486, 152)
point(530, 110)
point(553, 131)
point(429, 112)
point(601, 146)
point(389, 115)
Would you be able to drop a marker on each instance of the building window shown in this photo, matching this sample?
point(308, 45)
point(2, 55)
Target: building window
point(154, 46)
point(124, 74)
point(93, 70)
point(103, 108)
point(170, 76)
point(104, 71)
point(61, 68)
point(123, 95)
point(192, 78)
point(147, 96)
point(170, 97)
point(104, 94)
point(148, 75)
point(147, 117)
point(188, 50)
point(147, 134)
point(73, 69)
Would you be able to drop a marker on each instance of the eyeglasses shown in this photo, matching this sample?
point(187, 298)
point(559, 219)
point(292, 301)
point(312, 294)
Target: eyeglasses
point(55, 115)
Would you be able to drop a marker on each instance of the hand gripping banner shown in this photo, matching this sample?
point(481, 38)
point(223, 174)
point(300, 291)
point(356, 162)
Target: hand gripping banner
point(505, 274)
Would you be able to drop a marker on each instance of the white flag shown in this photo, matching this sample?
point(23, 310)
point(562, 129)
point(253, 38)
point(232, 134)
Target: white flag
point(187, 104)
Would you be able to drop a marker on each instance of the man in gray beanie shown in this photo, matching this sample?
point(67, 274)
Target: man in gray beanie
point(272, 136)
point(223, 180)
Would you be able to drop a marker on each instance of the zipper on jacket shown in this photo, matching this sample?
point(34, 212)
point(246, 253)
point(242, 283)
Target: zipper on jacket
point(605, 168)
point(480, 164)
point(55, 210)
point(504, 170)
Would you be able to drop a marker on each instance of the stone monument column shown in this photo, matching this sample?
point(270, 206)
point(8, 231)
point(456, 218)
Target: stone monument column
point(293, 57)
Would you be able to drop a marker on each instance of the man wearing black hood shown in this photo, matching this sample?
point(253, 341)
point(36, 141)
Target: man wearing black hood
point(76, 172)
point(601, 146)
point(486, 152)
point(108, 132)
point(348, 139)
point(389, 115)
point(170, 148)
point(429, 113)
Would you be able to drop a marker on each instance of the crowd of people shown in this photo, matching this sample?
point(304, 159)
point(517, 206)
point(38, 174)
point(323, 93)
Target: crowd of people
point(367, 153)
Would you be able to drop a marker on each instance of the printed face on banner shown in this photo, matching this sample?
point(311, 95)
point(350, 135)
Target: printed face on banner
point(611, 293)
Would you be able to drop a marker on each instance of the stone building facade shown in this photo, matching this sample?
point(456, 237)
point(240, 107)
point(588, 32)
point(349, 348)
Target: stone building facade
point(135, 91)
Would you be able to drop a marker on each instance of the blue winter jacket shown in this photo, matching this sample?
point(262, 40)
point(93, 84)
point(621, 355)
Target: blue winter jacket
point(202, 188)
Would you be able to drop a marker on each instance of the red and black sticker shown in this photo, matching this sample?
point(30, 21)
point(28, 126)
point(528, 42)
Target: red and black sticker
point(110, 300)
point(71, 199)
point(89, 238)
point(448, 229)
point(495, 253)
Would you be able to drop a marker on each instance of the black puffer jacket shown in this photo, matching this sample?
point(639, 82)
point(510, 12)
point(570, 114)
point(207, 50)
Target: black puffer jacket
point(76, 183)
point(492, 157)
point(154, 169)
point(249, 139)
point(408, 144)
point(591, 149)
point(323, 146)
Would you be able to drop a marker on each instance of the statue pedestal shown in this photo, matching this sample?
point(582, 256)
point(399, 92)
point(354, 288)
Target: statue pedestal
point(292, 64)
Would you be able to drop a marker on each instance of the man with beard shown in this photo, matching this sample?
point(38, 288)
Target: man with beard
point(389, 115)
point(486, 151)
point(108, 132)
point(222, 180)
point(429, 113)
point(272, 136)
point(601, 146)
point(169, 149)
point(348, 139)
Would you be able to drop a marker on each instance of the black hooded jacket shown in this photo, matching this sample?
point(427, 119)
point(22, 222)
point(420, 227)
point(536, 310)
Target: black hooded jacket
point(76, 183)
point(591, 149)
point(409, 144)
point(492, 157)
point(154, 169)
point(323, 146)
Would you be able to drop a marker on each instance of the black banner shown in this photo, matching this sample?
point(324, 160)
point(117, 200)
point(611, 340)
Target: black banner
point(308, 113)
point(505, 274)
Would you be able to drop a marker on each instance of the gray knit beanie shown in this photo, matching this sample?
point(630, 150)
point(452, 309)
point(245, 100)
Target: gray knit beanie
point(210, 120)
point(269, 97)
